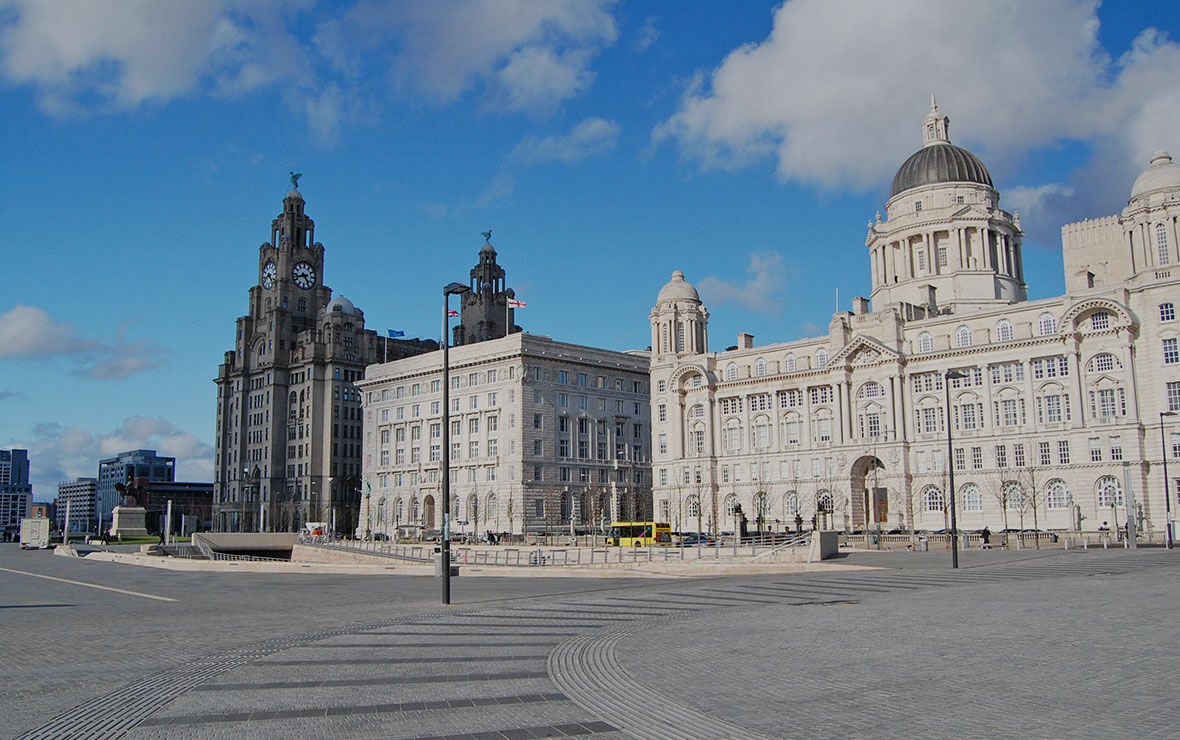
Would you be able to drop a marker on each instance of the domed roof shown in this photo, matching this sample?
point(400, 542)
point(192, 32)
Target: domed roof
point(678, 289)
point(1162, 174)
point(939, 161)
point(341, 304)
point(293, 193)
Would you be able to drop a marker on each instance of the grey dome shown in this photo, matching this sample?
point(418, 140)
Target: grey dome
point(1163, 174)
point(678, 289)
point(341, 304)
point(293, 194)
point(939, 161)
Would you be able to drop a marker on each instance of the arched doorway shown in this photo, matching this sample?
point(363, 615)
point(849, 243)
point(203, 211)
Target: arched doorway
point(428, 512)
point(870, 500)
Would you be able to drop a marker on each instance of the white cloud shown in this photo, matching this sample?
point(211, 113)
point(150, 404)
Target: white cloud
point(14, 395)
point(527, 54)
point(591, 137)
point(60, 453)
point(648, 34)
point(839, 103)
point(759, 292)
point(29, 333)
point(122, 54)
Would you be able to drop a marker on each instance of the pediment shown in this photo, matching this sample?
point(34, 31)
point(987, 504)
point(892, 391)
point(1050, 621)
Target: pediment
point(863, 351)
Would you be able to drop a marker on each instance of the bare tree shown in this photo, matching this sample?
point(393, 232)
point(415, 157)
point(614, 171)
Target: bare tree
point(997, 488)
point(510, 512)
point(1034, 496)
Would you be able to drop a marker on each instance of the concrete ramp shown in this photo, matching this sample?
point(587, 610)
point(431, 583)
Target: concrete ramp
point(264, 544)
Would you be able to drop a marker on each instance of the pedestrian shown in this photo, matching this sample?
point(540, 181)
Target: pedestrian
point(985, 538)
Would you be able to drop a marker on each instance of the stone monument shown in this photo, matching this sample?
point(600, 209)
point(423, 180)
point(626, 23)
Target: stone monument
point(128, 518)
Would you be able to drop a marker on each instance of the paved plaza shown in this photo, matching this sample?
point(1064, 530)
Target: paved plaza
point(1027, 643)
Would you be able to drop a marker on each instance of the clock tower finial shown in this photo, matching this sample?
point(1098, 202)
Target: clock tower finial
point(936, 126)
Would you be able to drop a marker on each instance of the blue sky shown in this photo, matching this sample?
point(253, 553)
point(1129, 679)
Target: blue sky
point(146, 145)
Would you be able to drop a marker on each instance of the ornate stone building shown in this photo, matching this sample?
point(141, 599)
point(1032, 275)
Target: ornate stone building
point(1056, 419)
point(289, 428)
point(485, 313)
point(545, 436)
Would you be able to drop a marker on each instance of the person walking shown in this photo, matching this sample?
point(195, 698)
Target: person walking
point(985, 539)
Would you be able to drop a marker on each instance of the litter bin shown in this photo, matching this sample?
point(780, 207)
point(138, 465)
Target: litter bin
point(923, 544)
point(438, 568)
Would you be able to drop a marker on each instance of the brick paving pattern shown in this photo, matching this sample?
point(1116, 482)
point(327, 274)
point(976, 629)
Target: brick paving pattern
point(1030, 644)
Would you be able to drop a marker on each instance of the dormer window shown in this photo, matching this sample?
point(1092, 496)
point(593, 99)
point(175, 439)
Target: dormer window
point(959, 200)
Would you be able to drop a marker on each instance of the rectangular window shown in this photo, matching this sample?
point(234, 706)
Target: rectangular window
point(1173, 394)
point(824, 429)
point(563, 400)
point(493, 447)
point(793, 432)
point(1095, 449)
point(435, 453)
point(960, 458)
point(1063, 452)
point(663, 476)
point(537, 447)
point(563, 448)
point(473, 449)
point(977, 458)
point(1001, 456)
point(1018, 455)
point(1171, 352)
point(662, 412)
point(1116, 448)
point(537, 421)
point(1044, 453)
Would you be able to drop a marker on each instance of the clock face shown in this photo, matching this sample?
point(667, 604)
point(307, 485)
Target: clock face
point(303, 274)
point(269, 273)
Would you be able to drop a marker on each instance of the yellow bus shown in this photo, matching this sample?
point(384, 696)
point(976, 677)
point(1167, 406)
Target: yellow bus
point(639, 534)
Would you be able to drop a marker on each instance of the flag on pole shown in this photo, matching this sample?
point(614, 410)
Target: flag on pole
point(452, 312)
point(516, 304)
point(394, 333)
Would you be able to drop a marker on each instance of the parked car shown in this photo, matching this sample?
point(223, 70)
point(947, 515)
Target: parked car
point(693, 540)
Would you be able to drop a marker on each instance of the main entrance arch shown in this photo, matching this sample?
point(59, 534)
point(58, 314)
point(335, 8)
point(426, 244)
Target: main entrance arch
point(870, 501)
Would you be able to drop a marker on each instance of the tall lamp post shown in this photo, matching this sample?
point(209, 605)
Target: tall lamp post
point(948, 376)
point(445, 548)
point(1167, 494)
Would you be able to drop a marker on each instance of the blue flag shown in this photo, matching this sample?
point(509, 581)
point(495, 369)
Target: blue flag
point(393, 333)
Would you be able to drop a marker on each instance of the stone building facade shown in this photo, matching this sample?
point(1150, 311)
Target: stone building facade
point(545, 437)
point(289, 428)
point(1056, 422)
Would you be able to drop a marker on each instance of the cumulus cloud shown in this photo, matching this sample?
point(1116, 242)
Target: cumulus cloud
point(119, 55)
point(759, 292)
point(83, 56)
point(525, 54)
point(839, 104)
point(29, 333)
point(58, 453)
point(591, 137)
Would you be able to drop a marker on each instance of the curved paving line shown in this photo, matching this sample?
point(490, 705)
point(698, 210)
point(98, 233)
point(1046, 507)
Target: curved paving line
point(587, 670)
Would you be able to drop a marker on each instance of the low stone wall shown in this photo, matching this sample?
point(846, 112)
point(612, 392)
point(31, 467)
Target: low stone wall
point(313, 554)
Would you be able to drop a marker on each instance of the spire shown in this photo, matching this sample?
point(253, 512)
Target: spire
point(936, 126)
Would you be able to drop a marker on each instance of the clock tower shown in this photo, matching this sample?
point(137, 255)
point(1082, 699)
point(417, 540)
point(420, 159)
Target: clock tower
point(288, 443)
point(485, 312)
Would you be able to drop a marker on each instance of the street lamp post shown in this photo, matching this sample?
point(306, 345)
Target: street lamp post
point(950, 463)
point(445, 545)
point(1167, 494)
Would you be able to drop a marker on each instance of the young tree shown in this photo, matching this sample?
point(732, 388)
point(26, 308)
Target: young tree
point(510, 513)
point(1033, 474)
point(998, 489)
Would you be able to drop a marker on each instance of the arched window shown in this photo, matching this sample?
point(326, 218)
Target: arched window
point(1056, 494)
point(382, 516)
point(1110, 491)
point(790, 504)
point(759, 368)
point(932, 498)
point(566, 507)
point(925, 342)
point(694, 381)
point(1013, 496)
point(790, 364)
point(492, 511)
point(761, 432)
point(962, 337)
point(1161, 244)
point(473, 511)
point(1104, 362)
point(414, 509)
point(761, 507)
point(731, 503)
point(821, 358)
point(731, 372)
point(692, 507)
point(1004, 330)
point(871, 389)
point(397, 510)
point(823, 502)
point(971, 497)
point(1047, 325)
